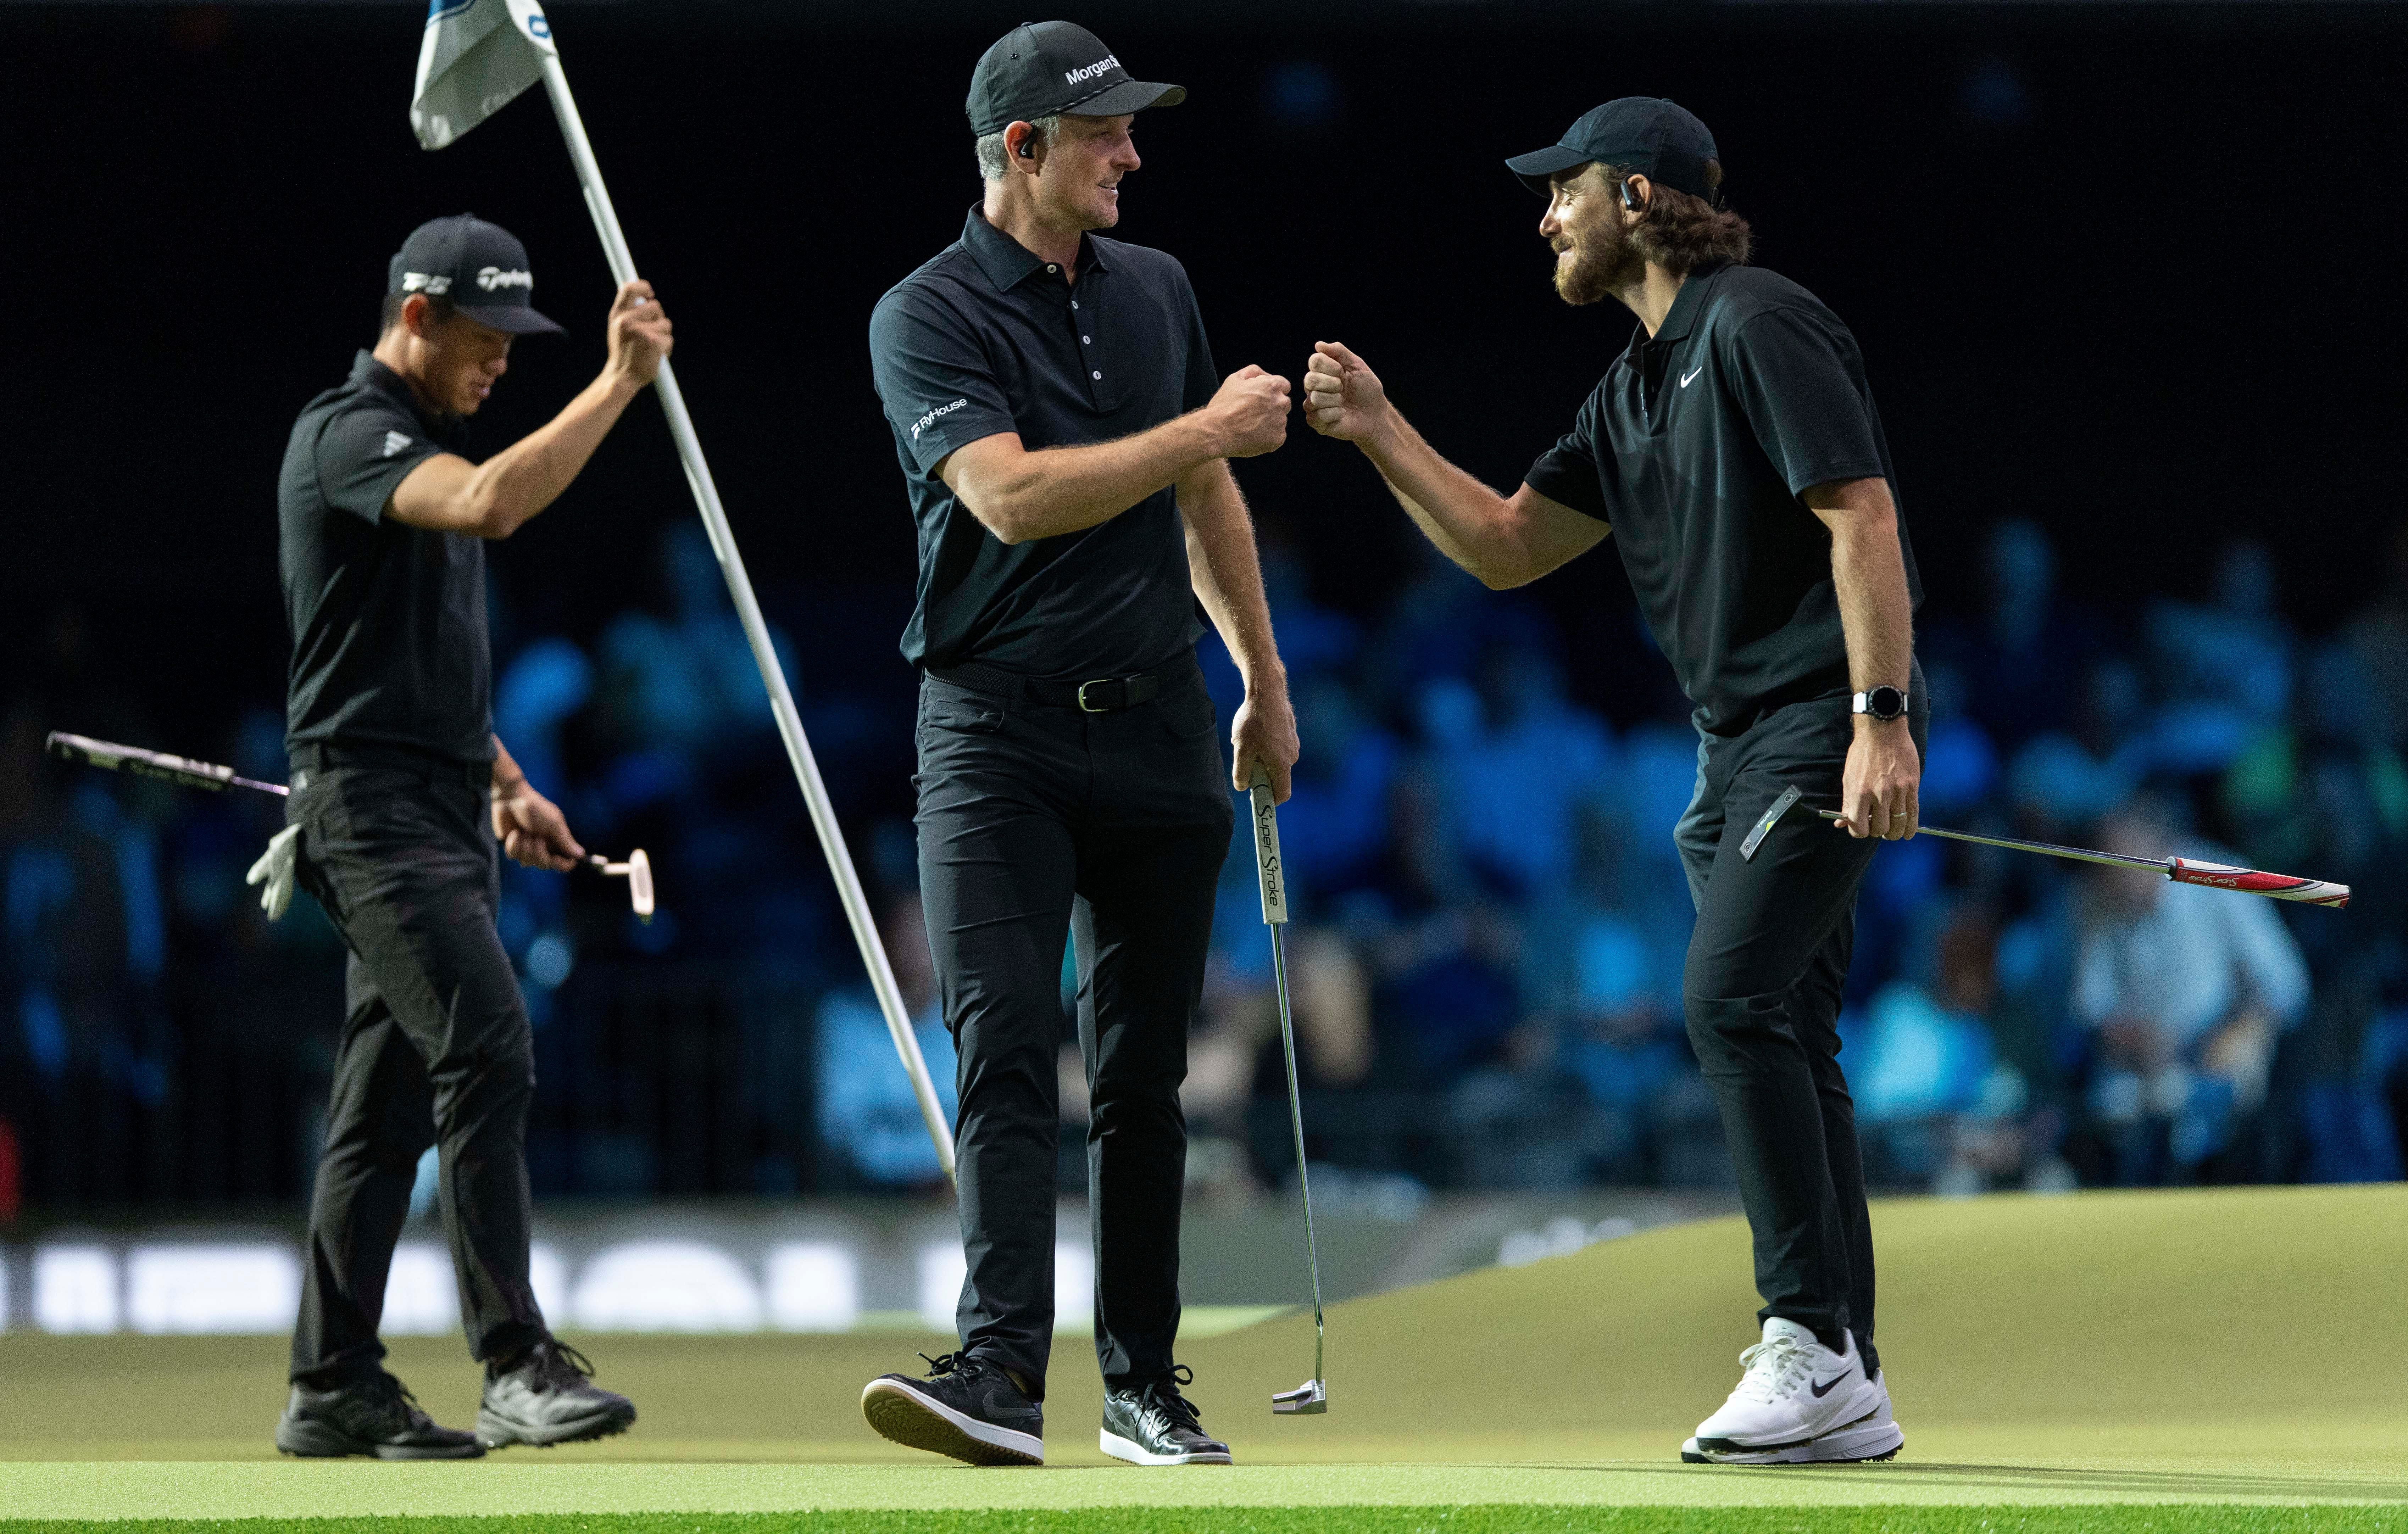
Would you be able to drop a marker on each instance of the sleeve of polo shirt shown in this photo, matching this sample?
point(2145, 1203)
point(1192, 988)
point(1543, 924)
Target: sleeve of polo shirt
point(1790, 371)
point(364, 454)
point(934, 377)
point(1567, 473)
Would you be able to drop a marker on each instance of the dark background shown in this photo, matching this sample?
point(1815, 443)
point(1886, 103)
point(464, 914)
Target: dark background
point(2131, 271)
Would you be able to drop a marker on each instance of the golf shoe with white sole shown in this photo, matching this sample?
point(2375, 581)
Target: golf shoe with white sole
point(1157, 1425)
point(966, 1407)
point(1795, 1391)
point(1873, 1436)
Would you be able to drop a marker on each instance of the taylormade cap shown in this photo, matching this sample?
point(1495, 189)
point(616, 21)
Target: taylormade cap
point(481, 268)
point(1646, 135)
point(1039, 69)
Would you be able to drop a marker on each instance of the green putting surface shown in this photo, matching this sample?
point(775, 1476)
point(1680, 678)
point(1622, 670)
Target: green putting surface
point(2238, 1348)
point(1489, 1519)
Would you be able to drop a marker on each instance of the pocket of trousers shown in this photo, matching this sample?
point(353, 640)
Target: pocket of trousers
point(963, 713)
point(1187, 713)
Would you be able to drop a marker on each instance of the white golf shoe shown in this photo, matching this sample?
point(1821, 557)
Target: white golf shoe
point(1798, 1403)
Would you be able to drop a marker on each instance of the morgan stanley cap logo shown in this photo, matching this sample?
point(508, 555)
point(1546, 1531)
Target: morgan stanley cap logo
point(1646, 135)
point(1039, 69)
point(481, 266)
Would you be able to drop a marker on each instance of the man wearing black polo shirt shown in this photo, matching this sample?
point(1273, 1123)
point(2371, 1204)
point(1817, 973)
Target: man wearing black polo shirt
point(1062, 439)
point(1734, 451)
point(400, 792)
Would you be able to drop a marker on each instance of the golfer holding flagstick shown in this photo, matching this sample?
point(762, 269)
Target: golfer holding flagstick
point(1063, 438)
point(1734, 451)
point(401, 799)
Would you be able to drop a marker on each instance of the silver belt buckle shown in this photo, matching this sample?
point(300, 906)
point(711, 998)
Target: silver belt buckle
point(1083, 706)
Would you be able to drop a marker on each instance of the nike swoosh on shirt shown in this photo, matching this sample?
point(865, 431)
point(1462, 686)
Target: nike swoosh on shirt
point(1691, 374)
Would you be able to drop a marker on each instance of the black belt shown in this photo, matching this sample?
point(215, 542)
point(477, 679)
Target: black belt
point(1096, 696)
point(311, 757)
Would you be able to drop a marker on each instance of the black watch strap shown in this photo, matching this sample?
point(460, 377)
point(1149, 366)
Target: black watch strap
point(1885, 703)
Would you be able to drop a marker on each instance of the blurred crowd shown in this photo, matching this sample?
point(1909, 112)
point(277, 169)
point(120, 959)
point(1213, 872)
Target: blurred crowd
point(1491, 915)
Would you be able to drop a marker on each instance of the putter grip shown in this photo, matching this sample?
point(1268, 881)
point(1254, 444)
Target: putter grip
point(1269, 872)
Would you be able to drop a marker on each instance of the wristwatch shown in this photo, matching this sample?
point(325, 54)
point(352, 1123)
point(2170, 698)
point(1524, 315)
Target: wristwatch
point(1884, 703)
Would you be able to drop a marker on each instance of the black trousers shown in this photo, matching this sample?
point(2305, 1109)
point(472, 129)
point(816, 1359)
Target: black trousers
point(1767, 969)
point(435, 1051)
point(1035, 822)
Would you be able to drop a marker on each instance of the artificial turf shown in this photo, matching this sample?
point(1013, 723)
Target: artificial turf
point(2122, 1356)
point(1492, 1518)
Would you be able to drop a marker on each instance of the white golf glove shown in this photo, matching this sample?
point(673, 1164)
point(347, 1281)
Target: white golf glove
point(275, 869)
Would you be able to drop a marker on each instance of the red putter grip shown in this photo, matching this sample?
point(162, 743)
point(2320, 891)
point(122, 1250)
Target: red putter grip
point(2282, 887)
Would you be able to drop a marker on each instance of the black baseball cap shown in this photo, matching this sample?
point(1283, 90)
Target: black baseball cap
point(1039, 69)
point(481, 268)
point(1646, 135)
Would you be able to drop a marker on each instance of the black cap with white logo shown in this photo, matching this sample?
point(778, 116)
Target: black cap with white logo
point(481, 268)
point(1039, 69)
point(1643, 136)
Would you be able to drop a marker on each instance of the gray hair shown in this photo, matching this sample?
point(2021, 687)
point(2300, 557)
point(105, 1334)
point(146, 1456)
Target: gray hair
point(993, 156)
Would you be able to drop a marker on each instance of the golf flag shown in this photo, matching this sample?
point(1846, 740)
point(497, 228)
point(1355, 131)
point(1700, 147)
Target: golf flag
point(475, 57)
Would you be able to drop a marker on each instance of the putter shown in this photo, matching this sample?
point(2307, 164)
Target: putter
point(2182, 871)
point(1311, 1399)
point(637, 872)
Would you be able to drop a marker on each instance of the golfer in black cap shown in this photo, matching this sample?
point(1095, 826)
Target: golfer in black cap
point(1734, 451)
point(1062, 435)
point(400, 793)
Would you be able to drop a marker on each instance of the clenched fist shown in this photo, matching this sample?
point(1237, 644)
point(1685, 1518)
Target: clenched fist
point(1342, 397)
point(638, 333)
point(1248, 413)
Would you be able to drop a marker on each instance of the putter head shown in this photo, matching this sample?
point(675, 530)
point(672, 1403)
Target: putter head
point(1309, 1399)
point(640, 885)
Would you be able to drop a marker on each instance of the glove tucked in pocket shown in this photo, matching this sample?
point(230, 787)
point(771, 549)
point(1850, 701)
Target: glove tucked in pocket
point(275, 869)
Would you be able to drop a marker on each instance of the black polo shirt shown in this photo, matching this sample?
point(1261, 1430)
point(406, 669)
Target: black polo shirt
point(389, 643)
point(987, 339)
point(1695, 448)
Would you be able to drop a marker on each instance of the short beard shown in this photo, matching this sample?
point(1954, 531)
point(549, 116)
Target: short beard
point(1606, 263)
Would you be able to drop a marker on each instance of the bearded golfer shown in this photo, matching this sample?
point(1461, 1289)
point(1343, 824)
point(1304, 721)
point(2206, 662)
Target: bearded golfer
point(1062, 435)
point(400, 794)
point(1734, 451)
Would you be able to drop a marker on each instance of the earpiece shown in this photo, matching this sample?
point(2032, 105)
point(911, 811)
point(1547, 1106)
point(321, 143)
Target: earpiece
point(1026, 152)
point(1629, 198)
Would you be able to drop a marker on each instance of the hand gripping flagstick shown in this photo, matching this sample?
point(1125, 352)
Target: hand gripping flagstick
point(2182, 871)
point(475, 58)
point(1311, 1398)
point(637, 870)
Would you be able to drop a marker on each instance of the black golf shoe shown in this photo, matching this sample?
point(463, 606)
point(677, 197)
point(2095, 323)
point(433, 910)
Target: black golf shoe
point(967, 1407)
point(378, 1417)
point(546, 1396)
point(1158, 1426)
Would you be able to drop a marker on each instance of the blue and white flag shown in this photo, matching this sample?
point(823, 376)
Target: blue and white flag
point(477, 57)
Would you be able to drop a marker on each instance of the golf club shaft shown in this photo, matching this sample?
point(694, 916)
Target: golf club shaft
point(1296, 1123)
point(155, 764)
point(1270, 871)
point(2182, 871)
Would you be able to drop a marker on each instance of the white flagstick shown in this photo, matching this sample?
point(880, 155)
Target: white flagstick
point(748, 610)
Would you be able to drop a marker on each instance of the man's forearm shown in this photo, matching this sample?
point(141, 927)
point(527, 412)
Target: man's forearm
point(1869, 571)
point(507, 774)
point(1053, 491)
point(1227, 572)
point(1454, 511)
point(508, 489)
